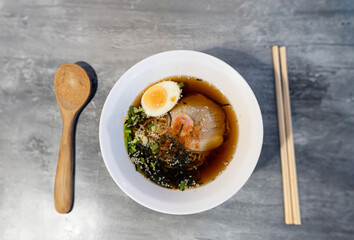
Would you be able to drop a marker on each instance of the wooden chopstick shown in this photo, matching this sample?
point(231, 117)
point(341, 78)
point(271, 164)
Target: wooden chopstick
point(289, 140)
point(282, 138)
point(287, 153)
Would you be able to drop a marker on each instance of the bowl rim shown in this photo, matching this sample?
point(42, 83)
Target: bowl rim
point(256, 152)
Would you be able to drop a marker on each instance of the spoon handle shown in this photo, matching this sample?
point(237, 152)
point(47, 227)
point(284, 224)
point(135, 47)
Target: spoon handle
point(63, 188)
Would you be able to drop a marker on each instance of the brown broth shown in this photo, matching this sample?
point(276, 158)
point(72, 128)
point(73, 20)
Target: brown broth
point(219, 158)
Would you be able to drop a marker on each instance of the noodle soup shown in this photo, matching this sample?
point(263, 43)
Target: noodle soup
point(181, 132)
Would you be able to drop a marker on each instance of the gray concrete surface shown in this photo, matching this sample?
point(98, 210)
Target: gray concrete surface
point(38, 36)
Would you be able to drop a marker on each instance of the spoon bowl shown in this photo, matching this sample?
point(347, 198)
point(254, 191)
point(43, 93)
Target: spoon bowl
point(72, 88)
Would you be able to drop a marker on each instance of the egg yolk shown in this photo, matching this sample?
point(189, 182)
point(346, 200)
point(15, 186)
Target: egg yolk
point(155, 97)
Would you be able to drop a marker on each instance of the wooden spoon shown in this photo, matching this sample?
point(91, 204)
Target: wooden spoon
point(72, 88)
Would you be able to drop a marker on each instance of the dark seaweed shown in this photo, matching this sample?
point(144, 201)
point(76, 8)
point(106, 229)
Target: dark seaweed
point(222, 104)
point(169, 114)
point(169, 166)
point(180, 129)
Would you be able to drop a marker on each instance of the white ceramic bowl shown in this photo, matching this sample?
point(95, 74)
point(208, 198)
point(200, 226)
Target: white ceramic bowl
point(150, 70)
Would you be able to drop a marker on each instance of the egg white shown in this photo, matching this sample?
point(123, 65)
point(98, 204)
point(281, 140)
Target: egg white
point(173, 92)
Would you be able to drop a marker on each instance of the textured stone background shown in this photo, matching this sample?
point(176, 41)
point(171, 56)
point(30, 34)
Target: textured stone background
point(38, 36)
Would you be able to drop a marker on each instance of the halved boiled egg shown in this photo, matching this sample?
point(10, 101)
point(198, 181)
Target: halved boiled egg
point(160, 98)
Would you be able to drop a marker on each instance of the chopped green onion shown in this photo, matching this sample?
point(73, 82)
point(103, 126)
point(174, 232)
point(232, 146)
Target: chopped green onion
point(132, 149)
point(127, 136)
point(154, 146)
point(152, 126)
point(135, 141)
point(138, 168)
point(138, 110)
point(129, 121)
point(142, 160)
point(152, 164)
point(182, 185)
point(131, 112)
point(143, 114)
point(181, 84)
point(126, 141)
